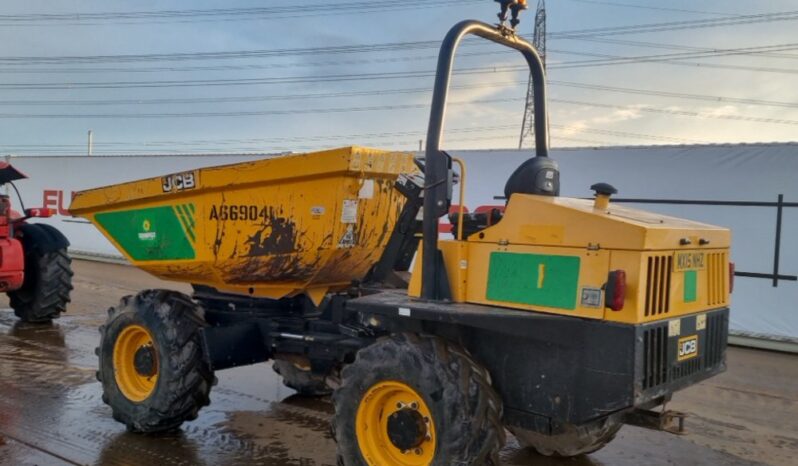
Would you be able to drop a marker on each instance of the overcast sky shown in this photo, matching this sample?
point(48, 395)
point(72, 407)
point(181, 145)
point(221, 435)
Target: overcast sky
point(758, 84)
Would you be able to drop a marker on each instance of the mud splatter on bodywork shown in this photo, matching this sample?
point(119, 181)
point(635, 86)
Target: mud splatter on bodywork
point(278, 236)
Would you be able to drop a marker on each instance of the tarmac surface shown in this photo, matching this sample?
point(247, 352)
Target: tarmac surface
point(51, 411)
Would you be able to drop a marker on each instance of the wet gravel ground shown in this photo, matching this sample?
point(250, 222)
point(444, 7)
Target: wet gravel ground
point(51, 411)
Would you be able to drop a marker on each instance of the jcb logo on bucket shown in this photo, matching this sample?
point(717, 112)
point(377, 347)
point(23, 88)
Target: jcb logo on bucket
point(179, 182)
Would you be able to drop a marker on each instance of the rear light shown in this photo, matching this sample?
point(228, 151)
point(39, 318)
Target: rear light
point(615, 291)
point(39, 212)
point(731, 277)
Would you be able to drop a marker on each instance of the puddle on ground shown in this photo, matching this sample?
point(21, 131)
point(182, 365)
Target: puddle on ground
point(51, 412)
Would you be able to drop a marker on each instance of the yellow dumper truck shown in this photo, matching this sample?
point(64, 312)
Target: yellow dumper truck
point(558, 319)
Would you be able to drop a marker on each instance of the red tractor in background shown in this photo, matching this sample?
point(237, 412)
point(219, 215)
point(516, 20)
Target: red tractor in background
point(35, 269)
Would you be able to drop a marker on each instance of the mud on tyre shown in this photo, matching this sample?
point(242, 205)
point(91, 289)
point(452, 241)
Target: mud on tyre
point(44, 294)
point(440, 406)
point(152, 367)
point(573, 441)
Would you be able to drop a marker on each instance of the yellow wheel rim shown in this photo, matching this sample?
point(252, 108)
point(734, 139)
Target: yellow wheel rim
point(395, 427)
point(135, 363)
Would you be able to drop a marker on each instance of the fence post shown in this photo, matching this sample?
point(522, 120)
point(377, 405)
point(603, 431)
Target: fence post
point(779, 209)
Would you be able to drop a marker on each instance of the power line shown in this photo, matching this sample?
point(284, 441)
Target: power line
point(671, 61)
point(221, 14)
point(250, 98)
point(660, 45)
point(604, 60)
point(243, 113)
point(687, 113)
point(396, 91)
point(274, 139)
point(387, 75)
point(394, 107)
point(393, 91)
point(679, 55)
point(678, 25)
point(574, 34)
point(611, 60)
point(658, 8)
point(679, 95)
point(349, 137)
point(203, 144)
point(626, 134)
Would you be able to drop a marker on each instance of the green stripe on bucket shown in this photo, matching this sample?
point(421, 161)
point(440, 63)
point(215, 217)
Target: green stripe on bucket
point(534, 279)
point(186, 219)
point(154, 233)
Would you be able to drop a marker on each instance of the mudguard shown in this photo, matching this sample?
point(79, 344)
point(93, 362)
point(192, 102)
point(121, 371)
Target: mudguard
point(40, 237)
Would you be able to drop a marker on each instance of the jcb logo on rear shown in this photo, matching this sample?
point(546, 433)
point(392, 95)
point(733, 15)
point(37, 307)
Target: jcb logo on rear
point(179, 182)
point(688, 347)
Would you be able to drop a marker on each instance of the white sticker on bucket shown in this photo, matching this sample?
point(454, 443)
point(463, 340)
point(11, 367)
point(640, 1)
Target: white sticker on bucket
point(348, 240)
point(404, 311)
point(349, 211)
point(366, 190)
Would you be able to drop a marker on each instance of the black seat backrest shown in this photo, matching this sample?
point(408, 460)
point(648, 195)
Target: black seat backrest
point(538, 175)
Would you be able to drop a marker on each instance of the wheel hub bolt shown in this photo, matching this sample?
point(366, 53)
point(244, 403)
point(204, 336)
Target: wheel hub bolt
point(407, 430)
point(144, 361)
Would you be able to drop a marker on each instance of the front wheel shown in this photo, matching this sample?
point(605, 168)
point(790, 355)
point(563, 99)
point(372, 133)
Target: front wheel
point(152, 367)
point(410, 400)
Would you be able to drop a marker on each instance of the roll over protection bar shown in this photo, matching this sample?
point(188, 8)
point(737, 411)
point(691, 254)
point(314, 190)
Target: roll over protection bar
point(437, 165)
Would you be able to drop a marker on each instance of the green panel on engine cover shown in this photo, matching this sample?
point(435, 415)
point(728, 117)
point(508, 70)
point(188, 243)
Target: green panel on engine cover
point(534, 279)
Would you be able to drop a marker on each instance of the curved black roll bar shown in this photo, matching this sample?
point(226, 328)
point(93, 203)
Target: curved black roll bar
point(436, 171)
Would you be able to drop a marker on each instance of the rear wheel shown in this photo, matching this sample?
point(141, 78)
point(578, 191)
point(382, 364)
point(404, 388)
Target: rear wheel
point(411, 400)
point(48, 275)
point(152, 368)
point(305, 382)
point(573, 441)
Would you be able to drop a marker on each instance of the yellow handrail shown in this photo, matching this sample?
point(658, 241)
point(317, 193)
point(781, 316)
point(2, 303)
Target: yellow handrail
point(460, 162)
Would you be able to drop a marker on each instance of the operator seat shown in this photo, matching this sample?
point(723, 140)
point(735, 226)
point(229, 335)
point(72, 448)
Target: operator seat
point(538, 175)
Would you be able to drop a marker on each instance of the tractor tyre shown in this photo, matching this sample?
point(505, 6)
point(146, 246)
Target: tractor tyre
point(303, 381)
point(412, 400)
point(573, 441)
point(152, 365)
point(48, 275)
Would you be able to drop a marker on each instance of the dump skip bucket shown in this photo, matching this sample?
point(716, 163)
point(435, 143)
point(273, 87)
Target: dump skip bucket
point(271, 228)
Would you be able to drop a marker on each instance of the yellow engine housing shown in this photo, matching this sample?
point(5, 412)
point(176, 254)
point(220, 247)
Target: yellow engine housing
point(554, 255)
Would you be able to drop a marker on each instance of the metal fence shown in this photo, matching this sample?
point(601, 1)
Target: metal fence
point(779, 205)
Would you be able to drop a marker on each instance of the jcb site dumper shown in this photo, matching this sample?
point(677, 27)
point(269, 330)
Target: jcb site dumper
point(559, 322)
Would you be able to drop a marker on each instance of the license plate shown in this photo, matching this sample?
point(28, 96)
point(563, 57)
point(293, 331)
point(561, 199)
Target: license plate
point(690, 260)
point(688, 347)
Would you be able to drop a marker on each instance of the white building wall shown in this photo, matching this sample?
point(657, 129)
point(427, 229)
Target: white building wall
point(755, 172)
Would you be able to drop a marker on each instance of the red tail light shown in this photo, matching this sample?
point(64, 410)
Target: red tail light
point(731, 277)
point(40, 212)
point(615, 291)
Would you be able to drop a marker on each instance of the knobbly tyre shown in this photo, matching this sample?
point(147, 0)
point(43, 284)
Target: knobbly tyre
point(35, 268)
point(559, 319)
